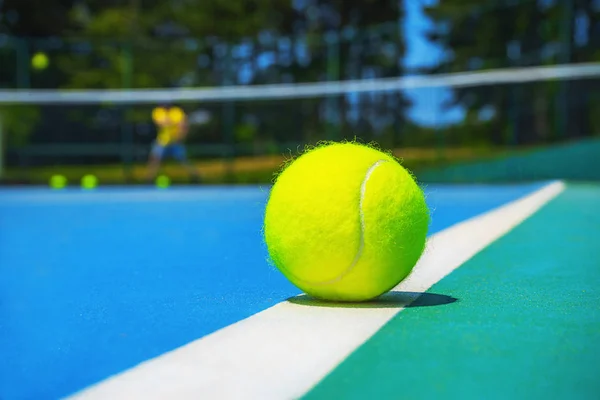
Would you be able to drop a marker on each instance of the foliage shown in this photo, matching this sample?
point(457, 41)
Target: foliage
point(480, 35)
point(134, 44)
point(181, 43)
point(16, 124)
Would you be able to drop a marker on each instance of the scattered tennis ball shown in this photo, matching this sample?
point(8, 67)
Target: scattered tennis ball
point(89, 182)
point(345, 222)
point(39, 61)
point(58, 182)
point(163, 181)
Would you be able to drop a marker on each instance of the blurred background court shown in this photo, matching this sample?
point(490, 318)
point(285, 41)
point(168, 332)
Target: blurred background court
point(126, 46)
point(488, 103)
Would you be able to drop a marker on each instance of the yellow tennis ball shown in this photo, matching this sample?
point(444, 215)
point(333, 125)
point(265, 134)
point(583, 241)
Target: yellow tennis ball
point(89, 182)
point(58, 182)
point(163, 181)
point(39, 61)
point(345, 222)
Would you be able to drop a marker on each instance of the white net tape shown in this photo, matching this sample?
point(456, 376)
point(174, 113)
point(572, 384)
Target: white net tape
point(302, 90)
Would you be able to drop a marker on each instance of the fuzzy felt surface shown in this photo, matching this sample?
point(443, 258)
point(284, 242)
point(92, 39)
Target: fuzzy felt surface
point(345, 222)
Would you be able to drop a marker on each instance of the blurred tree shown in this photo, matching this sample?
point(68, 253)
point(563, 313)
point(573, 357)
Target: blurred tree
point(160, 43)
point(17, 123)
point(337, 39)
point(156, 43)
point(512, 34)
point(35, 18)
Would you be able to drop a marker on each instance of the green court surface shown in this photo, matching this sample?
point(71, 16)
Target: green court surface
point(526, 324)
point(503, 304)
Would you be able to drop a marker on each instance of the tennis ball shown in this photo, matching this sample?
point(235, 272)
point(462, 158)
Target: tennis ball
point(345, 222)
point(163, 182)
point(39, 61)
point(89, 182)
point(58, 182)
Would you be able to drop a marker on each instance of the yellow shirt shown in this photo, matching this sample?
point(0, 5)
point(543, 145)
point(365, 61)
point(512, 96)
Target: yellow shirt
point(170, 124)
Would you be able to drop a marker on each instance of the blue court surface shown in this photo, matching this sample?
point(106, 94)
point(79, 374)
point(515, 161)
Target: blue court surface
point(94, 282)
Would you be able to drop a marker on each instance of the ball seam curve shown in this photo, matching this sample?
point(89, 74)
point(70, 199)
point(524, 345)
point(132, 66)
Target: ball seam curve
point(361, 246)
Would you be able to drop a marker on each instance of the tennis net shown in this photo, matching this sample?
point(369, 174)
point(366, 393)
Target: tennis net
point(437, 116)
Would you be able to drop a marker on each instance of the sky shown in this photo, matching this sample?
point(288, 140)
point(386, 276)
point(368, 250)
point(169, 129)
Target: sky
point(427, 102)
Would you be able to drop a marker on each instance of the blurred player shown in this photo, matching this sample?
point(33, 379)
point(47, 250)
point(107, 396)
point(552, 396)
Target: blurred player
point(172, 126)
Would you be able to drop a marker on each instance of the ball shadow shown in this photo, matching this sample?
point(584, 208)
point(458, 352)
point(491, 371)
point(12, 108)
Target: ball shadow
point(389, 300)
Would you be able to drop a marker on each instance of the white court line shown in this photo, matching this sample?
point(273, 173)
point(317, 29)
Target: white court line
point(282, 352)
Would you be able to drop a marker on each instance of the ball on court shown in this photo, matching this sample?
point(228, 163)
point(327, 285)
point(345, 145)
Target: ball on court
point(39, 61)
point(58, 182)
point(163, 181)
point(345, 222)
point(89, 182)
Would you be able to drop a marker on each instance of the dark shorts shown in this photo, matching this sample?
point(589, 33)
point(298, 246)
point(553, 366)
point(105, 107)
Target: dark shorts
point(177, 151)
